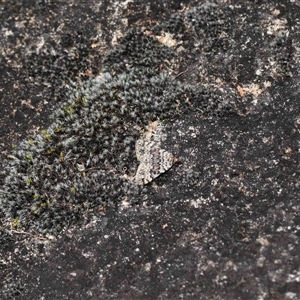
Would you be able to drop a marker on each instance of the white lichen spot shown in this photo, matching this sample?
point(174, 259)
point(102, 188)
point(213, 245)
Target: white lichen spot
point(167, 39)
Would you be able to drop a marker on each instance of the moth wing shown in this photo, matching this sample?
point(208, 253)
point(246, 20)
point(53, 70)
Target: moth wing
point(142, 175)
point(158, 162)
point(167, 160)
point(140, 149)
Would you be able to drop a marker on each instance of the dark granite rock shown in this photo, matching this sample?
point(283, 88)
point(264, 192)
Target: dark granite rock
point(221, 224)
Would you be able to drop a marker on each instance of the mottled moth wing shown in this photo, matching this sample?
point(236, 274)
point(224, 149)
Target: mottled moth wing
point(166, 160)
point(140, 149)
point(153, 161)
point(141, 174)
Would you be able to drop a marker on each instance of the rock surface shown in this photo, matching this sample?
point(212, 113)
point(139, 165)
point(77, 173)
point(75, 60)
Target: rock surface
point(223, 223)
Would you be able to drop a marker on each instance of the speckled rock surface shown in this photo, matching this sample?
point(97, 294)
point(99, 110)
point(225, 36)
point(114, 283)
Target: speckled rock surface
point(222, 223)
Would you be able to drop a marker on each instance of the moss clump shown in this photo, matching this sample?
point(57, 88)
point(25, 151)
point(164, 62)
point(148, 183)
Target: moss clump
point(79, 161)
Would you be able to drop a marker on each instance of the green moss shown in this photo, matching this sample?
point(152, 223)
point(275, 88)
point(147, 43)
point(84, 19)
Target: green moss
point(16, 222)
point(79, 161)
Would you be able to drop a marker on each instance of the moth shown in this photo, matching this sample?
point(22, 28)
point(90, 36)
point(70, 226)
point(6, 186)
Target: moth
point(153, 159)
